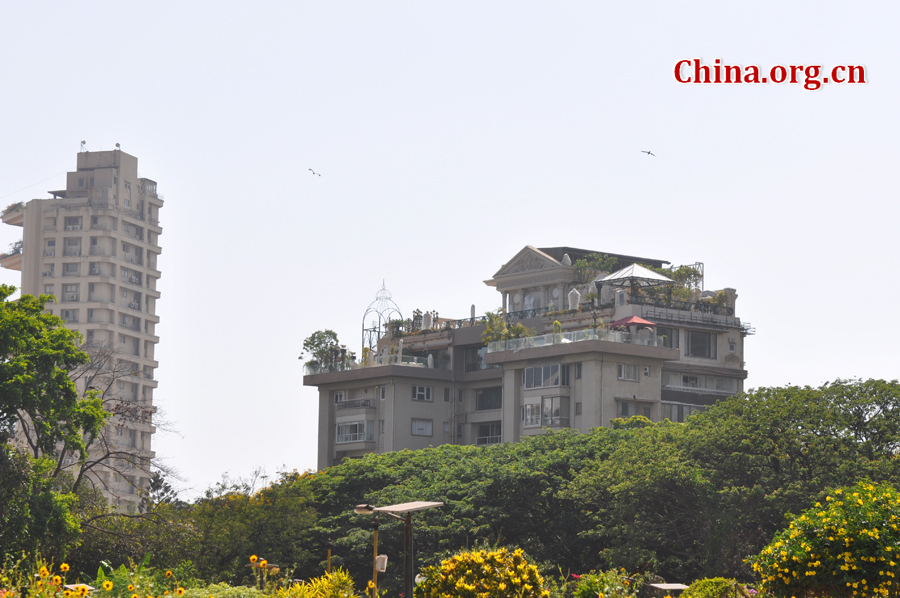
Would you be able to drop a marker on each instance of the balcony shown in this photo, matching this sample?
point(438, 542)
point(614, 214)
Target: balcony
point(67, 297)
point(357, 437)
point(72, 252)
point(314, 367)
point(356, 404)
point(49, 253)
point(99, 251)
point(588, 334)
point(486, 440)
point(73, 227)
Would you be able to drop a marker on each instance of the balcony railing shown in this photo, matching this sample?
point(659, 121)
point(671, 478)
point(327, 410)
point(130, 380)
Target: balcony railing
point(355, 404)
point(588, 334)
point(704, 308)
point(404, 360)
point(72, 252)
point(359, 437)
point(71, 297)
point(99, 251)
point(486, 440)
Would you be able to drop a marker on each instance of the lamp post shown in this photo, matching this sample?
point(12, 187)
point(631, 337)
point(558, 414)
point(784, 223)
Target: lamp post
point(403, 512)
point(330, 545)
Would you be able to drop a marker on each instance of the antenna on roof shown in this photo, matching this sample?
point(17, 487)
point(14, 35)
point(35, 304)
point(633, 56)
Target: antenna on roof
point(118, 147)
point(82, 145)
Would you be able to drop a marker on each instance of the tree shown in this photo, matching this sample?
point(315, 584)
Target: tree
point(589, 267)
point(325, 350)
point(497, 328)
point(39, 403)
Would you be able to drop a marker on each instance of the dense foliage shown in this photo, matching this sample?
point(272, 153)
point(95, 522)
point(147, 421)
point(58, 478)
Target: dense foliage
point(482, 574)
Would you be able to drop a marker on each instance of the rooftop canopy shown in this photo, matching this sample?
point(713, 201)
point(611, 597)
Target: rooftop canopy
point(634, 275)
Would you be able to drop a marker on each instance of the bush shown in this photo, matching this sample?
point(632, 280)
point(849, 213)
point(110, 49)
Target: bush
point(711, 587)
point(223, 590)
point(498, 574)
point(609, 584)
point(337, 584)
point(848, 547)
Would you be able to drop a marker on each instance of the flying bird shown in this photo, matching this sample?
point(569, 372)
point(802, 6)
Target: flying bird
point(648, 152)
point(314, 172)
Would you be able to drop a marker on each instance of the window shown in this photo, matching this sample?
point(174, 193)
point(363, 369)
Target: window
point(488, 433)
point(531, 416)
point(460, 396)
point(381, 427)
point(459, 430)
point(632, 408)
point(701, 344)
point(73, 242)
point(475, 359)
point(339, 396)
point(81, 182)
point(546, 376)
point(421, 427)
point(555, 411)
point(51, 242)
point(732, 347)
point(125, 293)
point(94, 241)
point(421, 393)
point(121, 338)
point(121, 385)
point(446, 427)
point(577, 408)
point(669, 336)
point(578, 371)
point(679, 412)
point(709, 384)
point(94, 220)
point(628, 372)
point(690, 381)
point(382, 393)
point(70, 288)
point(355, 432)
point(446, 395)
point(71, 267)
point(488, 398)
point(48, 289)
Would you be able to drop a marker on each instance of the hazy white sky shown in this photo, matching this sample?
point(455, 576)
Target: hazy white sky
point(450, 135)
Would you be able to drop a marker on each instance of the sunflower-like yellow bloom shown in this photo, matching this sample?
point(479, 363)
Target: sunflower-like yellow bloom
point(253, 558)
point(107, 585)
point(64, 567)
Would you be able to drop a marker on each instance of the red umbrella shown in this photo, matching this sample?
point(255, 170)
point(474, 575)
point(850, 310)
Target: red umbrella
point(631, 321)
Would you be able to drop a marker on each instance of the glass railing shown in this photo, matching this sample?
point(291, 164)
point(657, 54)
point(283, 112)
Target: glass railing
point(380, 360)
point(587, 334)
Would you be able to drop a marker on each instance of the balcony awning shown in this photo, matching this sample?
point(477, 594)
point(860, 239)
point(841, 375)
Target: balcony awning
point(634, 275)
point(631, 321)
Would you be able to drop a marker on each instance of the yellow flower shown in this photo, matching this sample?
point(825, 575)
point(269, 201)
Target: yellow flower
point(67, 593)
point(253, 558)
point(168, 574)
point(263, 563)
point(63, 567)
point(107, 585)
point(135, 596)
point(57, 580)
point(44, 572)
point(180, 591)
point(130, 587)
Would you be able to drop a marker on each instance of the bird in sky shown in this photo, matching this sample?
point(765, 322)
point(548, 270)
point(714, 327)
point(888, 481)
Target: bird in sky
point(314, 172)
point(648, 152)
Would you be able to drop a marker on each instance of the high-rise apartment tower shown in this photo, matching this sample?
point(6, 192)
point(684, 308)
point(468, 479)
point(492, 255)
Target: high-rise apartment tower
point(94, 246)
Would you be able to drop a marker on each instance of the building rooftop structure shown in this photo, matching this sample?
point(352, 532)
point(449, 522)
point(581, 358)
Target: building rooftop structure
point(569, 348)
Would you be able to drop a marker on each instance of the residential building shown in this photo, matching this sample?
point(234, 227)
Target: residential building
point(434, 381)
point(94, 246)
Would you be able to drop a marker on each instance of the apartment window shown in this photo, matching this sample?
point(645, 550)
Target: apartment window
point(669, 336)
point(488, 433)
point(475, 359)
point(51, 242)
point(81, 182)
point(71, 267)
point(94, 241)
point(488, 398)
point(382, 393)
point(459, 430)
point(446, 395)
point(460, 396)
point(546, 376)
point(577, 408)
point(381, 427)
point(73, 242)
point(90, 314)
point(690, 381)
point(122, 338)
point(701, 344)
point(555, 411)
point(70, 288)
point(48, 289)
point(632, 408)
point(628, 372)
point(732, 347)
point(128, 185)
point(421, 393)
point(678, 412)
point(125, 293)
point(339, 396)
point(531, 416)
point(578, 371)
point(446, 427)
point(90, 336)
point(421, 427)
point(94, 220)
point(355, 432)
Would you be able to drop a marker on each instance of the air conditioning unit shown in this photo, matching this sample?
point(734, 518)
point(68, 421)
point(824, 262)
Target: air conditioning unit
point(72, 297)
point(95, 271)
point(70, 227)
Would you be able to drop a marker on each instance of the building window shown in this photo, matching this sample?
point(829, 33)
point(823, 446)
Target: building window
point(48, 289)
point(460, 396)
point(382, 393)
point(555, 411)
point(421, 393)
point(628, 372)
point(475, 359)
point(459, 430)
point(446, 395)
point(668, 336)
point(732, 347)
point(446, 427)
point(531, 416)
point(708, 384)
point(632, 408)
point(701, 344)
point(71, 267)
point(488, 398)
point(339, 396)
point(546, 376)
point(578, 371)
point(124, 293)
point(678, 412)
point(488, 433)
point(355, 432)
point(577, 408)
point(421, 427)
point(381, 427)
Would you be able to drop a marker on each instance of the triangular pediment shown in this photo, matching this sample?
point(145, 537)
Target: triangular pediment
point(528, 260)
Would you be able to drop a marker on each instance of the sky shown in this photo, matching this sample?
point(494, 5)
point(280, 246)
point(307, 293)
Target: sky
point(448, 136)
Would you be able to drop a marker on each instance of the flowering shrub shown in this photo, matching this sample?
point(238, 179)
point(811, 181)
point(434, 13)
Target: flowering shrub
point(711, 587)
point(39, 580)
point(223, 590)
point(847, 547)
point(606, 584)
point(337, 584)
point(483, 574)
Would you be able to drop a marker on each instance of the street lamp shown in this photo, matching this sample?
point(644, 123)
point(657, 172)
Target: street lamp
point(403, 512)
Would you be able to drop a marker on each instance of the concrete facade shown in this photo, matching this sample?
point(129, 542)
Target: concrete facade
point(451, 388)
point(94, 246)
